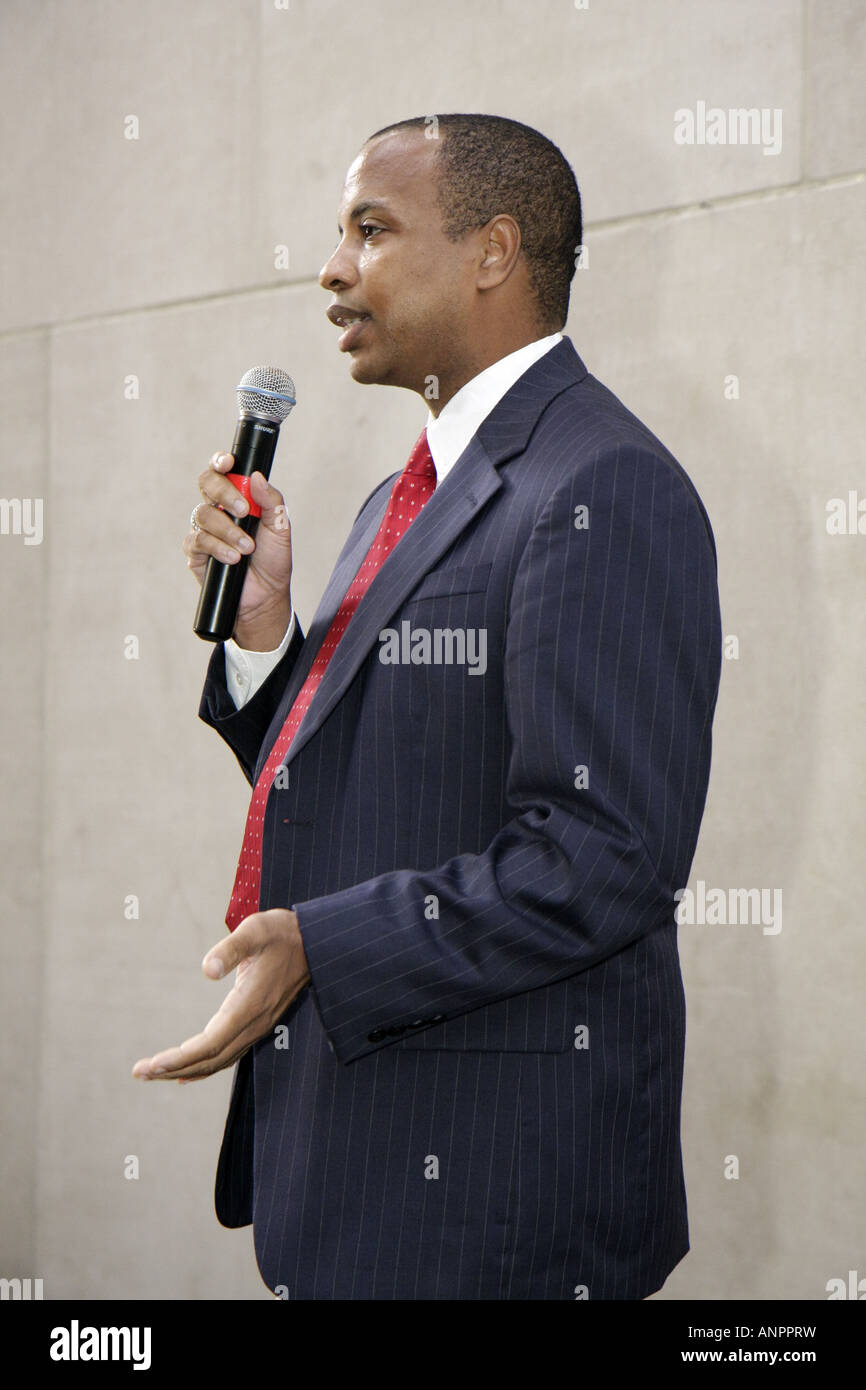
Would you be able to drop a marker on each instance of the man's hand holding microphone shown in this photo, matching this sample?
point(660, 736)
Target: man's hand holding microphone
point(265, 605)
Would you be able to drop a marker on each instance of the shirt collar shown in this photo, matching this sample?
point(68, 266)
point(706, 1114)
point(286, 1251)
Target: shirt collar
point(450, 431)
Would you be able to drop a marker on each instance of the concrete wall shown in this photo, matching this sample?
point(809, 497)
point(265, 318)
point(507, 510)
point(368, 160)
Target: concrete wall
point(720, 301)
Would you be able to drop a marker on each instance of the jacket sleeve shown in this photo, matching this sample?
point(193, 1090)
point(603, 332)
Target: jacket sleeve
point(611, 669)
point(244, 729)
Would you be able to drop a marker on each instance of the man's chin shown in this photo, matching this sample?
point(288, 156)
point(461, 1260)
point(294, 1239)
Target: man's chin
point(368, 371)
point(362, 369)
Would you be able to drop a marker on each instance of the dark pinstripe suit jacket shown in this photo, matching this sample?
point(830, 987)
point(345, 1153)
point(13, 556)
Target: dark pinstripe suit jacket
point(479, 1095)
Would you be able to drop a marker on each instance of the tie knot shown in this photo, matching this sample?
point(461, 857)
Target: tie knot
point(421, 460)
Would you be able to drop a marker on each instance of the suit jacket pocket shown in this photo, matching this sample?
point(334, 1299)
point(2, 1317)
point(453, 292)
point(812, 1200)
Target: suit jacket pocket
point(460, 579)
point(540, 1021)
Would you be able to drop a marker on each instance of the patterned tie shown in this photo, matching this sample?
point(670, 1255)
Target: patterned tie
point(408, 495)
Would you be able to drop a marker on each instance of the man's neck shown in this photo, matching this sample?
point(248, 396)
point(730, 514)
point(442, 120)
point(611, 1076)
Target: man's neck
point(485, 358)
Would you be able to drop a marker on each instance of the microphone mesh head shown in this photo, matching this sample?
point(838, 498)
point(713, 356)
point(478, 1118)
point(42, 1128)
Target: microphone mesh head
point(267, 393)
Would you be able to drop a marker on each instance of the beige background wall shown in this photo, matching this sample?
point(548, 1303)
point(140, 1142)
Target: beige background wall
point(154, 258)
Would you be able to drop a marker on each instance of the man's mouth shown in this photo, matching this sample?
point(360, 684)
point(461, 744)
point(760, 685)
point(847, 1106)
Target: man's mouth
point(350, 319)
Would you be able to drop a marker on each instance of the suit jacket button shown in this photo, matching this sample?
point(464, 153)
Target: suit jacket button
point(377, 1035)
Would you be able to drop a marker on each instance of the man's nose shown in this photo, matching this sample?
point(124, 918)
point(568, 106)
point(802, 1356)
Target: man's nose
point(337, 271)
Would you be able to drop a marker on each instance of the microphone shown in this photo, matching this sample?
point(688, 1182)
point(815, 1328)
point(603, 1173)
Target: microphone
point(265, 397)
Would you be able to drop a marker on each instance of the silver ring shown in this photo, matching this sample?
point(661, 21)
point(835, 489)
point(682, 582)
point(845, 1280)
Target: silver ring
point(193, 519)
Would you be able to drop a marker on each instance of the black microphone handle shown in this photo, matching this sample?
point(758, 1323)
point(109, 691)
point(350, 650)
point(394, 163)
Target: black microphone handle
point(253, 449)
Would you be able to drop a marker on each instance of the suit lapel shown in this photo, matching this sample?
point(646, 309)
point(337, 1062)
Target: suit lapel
point(468, 486)
point(436, 527)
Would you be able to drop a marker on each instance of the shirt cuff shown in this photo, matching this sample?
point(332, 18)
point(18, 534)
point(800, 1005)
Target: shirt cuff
point(246, 671)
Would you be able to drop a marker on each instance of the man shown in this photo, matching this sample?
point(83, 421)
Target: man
point(478, 783)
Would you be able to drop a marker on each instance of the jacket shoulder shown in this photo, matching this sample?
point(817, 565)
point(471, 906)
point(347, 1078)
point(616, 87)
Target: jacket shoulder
point(585, 431)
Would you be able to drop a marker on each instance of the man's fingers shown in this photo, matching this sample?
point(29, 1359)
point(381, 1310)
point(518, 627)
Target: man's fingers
point(271, 501)
point(195, 1059)
point(195, 558)
point(266, 983)
point(222, 507)
point(246, 940)
point(225, 1037)
point(217, 535)
point(205, 1052)
point(220, 491)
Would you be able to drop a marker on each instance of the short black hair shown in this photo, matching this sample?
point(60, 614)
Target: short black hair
point(490, 165)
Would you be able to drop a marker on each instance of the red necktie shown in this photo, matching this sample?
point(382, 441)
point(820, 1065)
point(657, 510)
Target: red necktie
point(408, 495)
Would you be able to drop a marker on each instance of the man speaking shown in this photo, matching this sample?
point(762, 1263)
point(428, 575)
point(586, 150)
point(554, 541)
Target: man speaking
point(458, 1013)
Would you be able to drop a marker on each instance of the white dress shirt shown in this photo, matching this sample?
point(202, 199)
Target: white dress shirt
point(448, 434)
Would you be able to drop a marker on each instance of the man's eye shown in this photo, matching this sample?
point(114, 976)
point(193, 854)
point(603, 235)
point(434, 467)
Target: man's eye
point(366, 227)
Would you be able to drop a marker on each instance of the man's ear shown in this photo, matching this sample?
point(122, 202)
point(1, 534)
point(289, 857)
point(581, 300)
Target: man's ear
point(500, 243)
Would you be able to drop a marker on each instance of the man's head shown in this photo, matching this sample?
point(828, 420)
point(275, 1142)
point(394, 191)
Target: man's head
point(458, 242)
